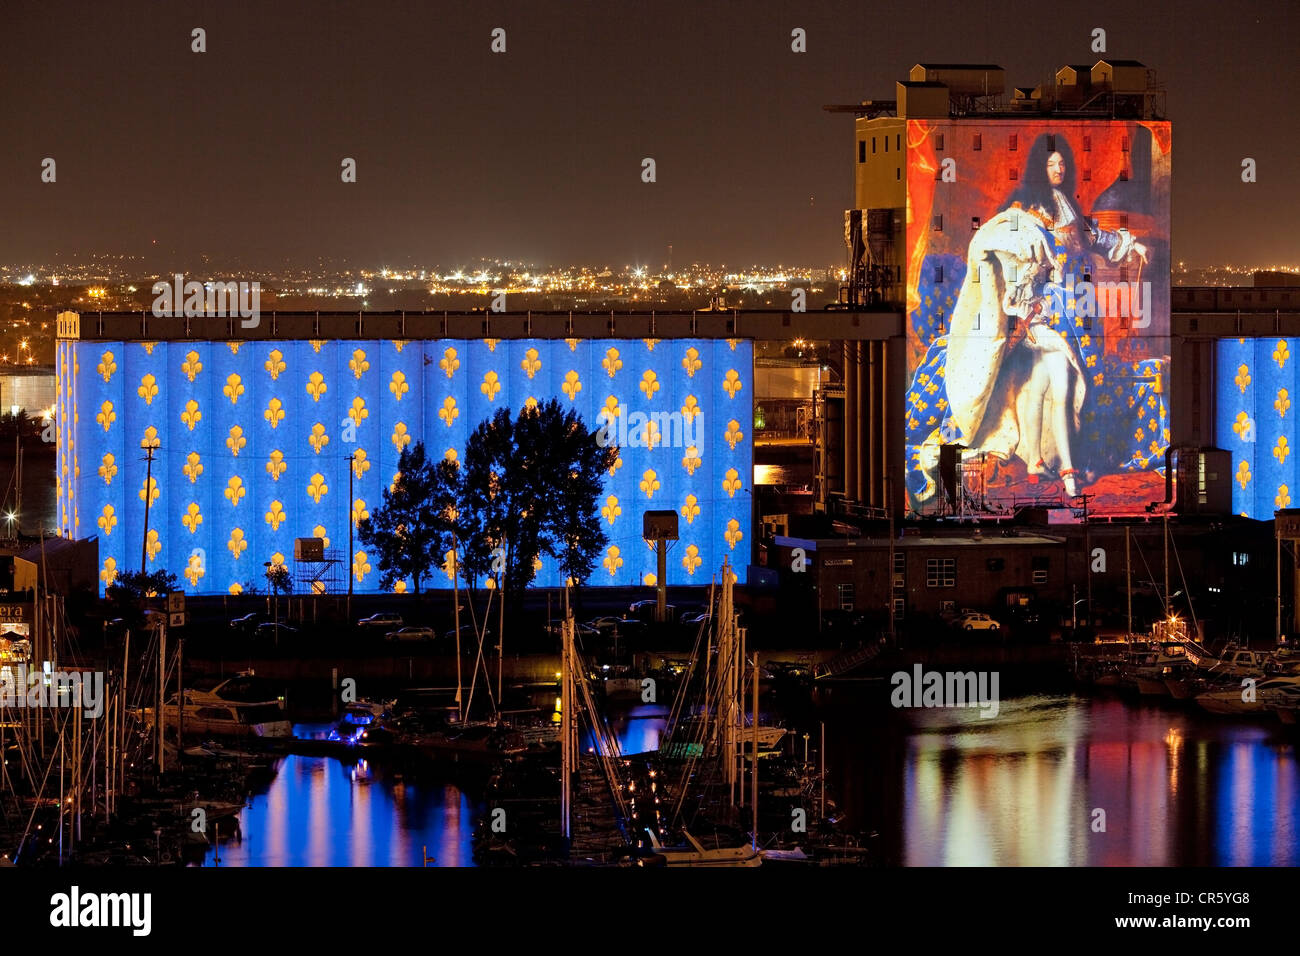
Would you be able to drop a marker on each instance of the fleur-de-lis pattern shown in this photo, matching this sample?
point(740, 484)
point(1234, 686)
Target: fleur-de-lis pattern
point(271, 426)
point(531, 363)
point(275, 464)
point(274, 413)
point(358, 364)
point(1256, 422)
point(148, 389)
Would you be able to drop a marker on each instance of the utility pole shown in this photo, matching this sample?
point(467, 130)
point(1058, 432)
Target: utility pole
point(348, 563)
point(148, 499)
point(1128, 579)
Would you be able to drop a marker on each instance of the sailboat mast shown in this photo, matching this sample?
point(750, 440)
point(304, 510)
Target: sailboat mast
point(753, 761)
point(1128, 578)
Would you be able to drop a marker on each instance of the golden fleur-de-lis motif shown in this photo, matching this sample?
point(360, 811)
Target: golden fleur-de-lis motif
point(150, 487)
point(107, 520)
point(319, 532)
point(358, 363)
point(358, 412)
point(650, 343)
point(731, 482)
point(277, 559)
point(108, 469)
point(1282, 403)
point(151, 439)
point(107, 366)
point(449, 362)
point(449, 412)
point(275, 465)
point(191, 414)
point(690, 408)
point(236, 588)
point(612, 560)
point(491, 385)
point(649, 383)
point(733, 533)
point(191, 366)
point(192, 467)
point(1283, 499)
point(611, 409)
point(360, 463)
point(275, 515)
point(236, 440)
point(692, 362)
point(692, 560)
point(691, 509)
point(691, 460)
point(733, 343)
point(234, 347)
point(652, 434)
point(400, 344)
point(148, 347)
point(1241, 424)
point(317, 488)
point(1281, 450)
point(106, 415)
point(649, 579)
point(611, 363)
point(398, 385)
point(491, 344)
point(449, 564)
point(316, 386)
point(572, 344)
point(316, 344)
point(274, 413)
point(360, 566)
point(530, 403)
point(148, 389)
point(359, 512)
point(1243, 378)
point(318, 439)
point(400, 437)
point(399, 587)
point(572, 385)
point(235, 490)
point(611, 510)
point(233, 388)
point(1281, 353)
point(733, 434)
point(451, 456)
point(275, 364)
point(618, 462)
point(237, 544)
point(109, 574)
point(531, 363)
point(732, 383)
point(192, 517)
point(194, 570)
point(649, 482)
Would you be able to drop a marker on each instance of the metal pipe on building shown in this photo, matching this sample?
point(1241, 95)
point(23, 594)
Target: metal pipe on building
point(850, 419)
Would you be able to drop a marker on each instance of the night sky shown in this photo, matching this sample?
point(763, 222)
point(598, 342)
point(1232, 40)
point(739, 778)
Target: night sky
point(536, 154)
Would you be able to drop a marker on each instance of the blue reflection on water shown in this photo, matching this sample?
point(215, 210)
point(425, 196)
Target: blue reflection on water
point(320, 811)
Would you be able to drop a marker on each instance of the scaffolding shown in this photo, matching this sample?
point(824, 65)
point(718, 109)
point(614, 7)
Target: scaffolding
point(320, 576)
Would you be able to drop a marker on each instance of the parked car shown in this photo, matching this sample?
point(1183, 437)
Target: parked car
point(246, 623)
point(387, 620)
point(976, 621)
point(695, 620)
point(410, 634)
point(603, 624)
point(272, 631)
point(645, 611)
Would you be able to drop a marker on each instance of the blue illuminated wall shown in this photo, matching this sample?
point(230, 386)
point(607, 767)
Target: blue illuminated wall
point(252, 441)
point(1257, 388)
